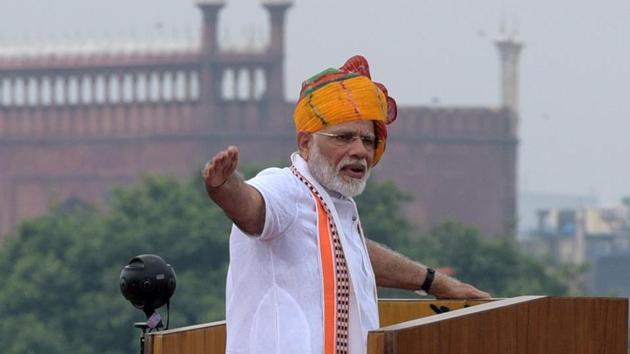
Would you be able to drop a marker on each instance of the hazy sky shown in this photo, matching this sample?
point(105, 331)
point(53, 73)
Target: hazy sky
point(575, 67)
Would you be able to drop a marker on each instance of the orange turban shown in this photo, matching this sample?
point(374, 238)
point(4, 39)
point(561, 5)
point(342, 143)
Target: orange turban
point(342, 95)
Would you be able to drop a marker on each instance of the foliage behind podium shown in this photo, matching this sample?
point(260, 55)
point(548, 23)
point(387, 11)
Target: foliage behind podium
point(59, 273)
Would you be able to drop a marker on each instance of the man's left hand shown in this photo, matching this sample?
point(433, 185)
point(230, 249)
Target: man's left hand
point(445, 287)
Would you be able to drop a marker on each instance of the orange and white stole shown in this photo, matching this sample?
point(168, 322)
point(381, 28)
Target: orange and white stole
point(335, 275)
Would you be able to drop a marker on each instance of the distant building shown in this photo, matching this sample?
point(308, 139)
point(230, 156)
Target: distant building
point(75, 124)
point(530, 202)
point(599, 237)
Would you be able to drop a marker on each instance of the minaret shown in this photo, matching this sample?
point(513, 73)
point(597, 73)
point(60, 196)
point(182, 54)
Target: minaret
point(209, 82)
point(275, 75)
point(509, 50)
point(209, 11)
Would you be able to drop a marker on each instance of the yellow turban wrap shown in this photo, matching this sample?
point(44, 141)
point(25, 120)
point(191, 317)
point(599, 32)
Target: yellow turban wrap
point(342, 95)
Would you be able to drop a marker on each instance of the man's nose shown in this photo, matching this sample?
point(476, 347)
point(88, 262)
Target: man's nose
point(358, 148)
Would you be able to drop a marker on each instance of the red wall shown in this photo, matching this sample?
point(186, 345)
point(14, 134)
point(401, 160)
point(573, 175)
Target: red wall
point(459, 164)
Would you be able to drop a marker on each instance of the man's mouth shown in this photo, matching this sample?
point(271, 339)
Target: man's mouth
point(354, 170)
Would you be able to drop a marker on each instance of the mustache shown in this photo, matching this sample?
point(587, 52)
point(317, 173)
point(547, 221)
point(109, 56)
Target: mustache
point(352, 162)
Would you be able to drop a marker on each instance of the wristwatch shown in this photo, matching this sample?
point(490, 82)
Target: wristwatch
point(428, 280)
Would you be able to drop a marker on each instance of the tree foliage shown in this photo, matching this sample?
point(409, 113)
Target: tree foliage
point(495, 265)
point(382, 214)
point(59, 273)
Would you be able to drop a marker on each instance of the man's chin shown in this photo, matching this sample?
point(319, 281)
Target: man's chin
point(351, 187)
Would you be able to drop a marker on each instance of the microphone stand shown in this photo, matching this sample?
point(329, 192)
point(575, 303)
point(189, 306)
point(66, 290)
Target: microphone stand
point(143, 326)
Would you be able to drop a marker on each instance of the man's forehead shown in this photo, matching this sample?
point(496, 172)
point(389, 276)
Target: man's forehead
point(365, 126)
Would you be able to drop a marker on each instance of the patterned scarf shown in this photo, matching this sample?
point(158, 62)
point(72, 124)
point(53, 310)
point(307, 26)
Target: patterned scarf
point(335, 275)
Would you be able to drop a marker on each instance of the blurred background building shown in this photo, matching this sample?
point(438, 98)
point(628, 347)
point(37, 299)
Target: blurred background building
point(598, 237)
point(77, 121)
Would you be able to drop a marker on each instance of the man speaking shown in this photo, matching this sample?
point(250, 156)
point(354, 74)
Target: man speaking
point(303, 274)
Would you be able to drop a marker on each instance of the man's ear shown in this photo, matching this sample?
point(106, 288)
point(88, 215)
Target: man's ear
point(304, 143)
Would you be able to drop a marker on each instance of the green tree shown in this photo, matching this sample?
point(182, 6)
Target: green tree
point(495, 265)
point(60, 272)
point(382, 215)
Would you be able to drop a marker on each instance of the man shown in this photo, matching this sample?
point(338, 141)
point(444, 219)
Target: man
point(302, 276)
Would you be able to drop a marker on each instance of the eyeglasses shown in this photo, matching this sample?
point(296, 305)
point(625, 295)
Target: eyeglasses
point(346, 138)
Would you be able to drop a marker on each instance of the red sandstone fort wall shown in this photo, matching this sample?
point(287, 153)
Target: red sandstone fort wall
point(78, 126)
point(457, 165)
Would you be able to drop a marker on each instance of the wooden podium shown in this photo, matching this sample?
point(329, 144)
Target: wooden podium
point(521, 325)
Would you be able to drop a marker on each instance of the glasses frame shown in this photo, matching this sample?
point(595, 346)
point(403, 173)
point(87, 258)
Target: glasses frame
point(347, 138)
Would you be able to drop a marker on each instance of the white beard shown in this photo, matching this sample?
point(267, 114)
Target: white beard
point(329, 177)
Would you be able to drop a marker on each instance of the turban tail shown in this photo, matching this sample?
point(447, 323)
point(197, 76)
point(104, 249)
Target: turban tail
point(336, 96)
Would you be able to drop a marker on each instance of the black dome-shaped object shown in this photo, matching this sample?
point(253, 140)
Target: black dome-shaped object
point(148, 282)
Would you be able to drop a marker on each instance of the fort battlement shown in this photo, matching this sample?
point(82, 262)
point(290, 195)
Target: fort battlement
point(450, 123)
point(74, 125)
point(181, 116)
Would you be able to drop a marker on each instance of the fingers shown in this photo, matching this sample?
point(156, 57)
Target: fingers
point(221, 167)
point(451, 288)
point(483, 294)
point(473, 293)
point(227, 161)
point(232, 156)
point(477, 294)
point(223, 158)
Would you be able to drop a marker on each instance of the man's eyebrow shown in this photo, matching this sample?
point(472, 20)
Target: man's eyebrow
point(341, 132)
point(344, 132)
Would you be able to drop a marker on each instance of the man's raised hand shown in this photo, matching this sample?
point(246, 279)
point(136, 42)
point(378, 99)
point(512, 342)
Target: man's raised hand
point(242, 203)
point(220, 168)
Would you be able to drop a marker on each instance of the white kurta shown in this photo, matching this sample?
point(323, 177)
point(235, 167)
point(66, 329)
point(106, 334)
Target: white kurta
point(274, 285)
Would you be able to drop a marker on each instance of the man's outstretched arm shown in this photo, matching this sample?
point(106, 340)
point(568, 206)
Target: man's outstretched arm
point(393, 270)
point(241, 202)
